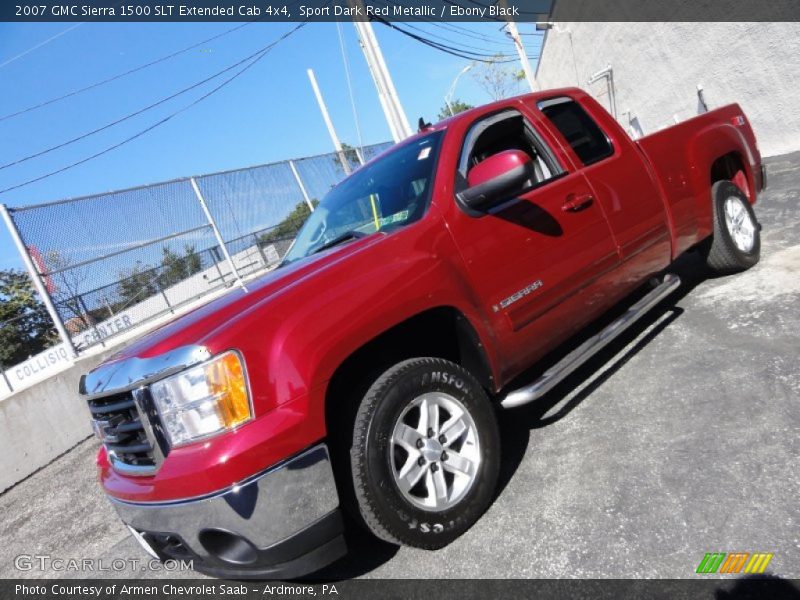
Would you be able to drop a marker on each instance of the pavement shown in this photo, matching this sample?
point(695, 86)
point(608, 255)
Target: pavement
point(679, 439)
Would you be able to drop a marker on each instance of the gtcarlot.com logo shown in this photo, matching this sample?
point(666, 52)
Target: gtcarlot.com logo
point(735, 562)
point(44, 562)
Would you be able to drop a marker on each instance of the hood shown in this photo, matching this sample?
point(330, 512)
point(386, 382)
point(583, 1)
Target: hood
point(194, 327)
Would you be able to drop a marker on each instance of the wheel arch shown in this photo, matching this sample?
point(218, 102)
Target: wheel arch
point(717, 152)
point(439, 332)
point(731, 167)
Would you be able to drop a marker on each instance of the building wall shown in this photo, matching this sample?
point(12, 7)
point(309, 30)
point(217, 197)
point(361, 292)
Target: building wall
point(658, 66)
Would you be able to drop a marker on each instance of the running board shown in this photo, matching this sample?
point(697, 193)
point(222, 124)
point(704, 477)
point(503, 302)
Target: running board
point(558, 372)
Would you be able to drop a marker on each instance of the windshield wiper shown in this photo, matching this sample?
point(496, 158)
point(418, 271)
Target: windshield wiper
point(345, 237)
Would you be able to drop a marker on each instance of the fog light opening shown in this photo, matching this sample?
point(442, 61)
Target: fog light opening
point(228, 547)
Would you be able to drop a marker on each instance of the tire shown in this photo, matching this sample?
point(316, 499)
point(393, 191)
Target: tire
point(733, 248)
point(385, 452)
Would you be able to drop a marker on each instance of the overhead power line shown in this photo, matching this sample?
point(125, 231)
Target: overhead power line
point(451, 27)
point(133, 114)
point(460, 52)
point(139, 134)
point(350, 87)
point(467, 46)
point(119, 75)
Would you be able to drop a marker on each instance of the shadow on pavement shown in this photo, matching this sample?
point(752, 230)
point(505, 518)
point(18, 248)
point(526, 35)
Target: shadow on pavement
point(756, 587)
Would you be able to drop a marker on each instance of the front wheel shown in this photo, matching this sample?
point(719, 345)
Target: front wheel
point(736, 244)
point(425, 454)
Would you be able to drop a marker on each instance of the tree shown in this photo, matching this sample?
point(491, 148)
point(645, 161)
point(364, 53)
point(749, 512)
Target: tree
point(289, 226)
point(453, 108)
point(350, 153)
point(25, 327)
point(496, 79)
point(176, 268)
point(68, 282)
point(136, 284)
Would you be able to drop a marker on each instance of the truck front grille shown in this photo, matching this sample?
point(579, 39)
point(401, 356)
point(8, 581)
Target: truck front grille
point(118, 424)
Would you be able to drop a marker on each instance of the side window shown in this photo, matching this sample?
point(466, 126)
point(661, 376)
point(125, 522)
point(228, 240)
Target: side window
point(578, 128)
point(507, 130)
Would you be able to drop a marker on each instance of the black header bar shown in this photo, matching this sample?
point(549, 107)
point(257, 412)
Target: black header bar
point(397, 10)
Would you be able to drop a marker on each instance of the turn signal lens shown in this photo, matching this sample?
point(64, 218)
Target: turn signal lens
point(226, 381)
point(204, 400)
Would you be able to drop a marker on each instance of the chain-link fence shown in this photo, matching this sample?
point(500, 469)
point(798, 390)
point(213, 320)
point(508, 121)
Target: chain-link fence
point(118, 260)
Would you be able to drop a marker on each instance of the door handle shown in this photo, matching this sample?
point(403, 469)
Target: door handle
point(575, 203)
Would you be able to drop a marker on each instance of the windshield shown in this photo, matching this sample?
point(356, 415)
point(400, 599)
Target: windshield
point(389, 193)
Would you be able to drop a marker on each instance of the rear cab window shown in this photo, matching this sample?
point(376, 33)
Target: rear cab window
point(580, 131)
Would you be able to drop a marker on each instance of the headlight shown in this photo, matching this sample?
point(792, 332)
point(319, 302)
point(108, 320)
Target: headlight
point(203, 400)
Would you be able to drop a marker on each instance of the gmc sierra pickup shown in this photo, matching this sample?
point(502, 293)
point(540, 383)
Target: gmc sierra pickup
point(363, 375)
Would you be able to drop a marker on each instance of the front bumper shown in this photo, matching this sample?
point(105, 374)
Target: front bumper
point(281, 523)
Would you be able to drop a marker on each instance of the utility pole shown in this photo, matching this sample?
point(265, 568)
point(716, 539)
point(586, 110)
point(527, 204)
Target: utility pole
point(387, 94)
point(513, 32)
point(328, 123)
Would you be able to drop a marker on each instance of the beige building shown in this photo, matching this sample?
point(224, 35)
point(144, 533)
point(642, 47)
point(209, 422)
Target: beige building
point(656, 68)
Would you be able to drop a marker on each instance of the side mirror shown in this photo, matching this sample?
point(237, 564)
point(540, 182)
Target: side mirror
point(496, 179)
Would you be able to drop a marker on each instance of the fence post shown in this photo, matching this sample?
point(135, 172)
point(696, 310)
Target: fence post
point(36, 278)
point(164, 295)
point(302, 187)
point(260, 251)
point(217, 234)
point(90, 320)
point(5, 378)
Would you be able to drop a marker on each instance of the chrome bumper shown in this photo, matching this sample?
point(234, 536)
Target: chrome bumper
point(242, 528)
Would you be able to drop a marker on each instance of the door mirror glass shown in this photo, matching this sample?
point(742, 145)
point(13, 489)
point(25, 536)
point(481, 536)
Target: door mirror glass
point(497, 178)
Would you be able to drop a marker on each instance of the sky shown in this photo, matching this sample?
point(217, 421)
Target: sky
point(267, 114)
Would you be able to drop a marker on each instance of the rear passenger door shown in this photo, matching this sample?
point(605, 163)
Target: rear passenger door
point(621, 181)
point(530, 256)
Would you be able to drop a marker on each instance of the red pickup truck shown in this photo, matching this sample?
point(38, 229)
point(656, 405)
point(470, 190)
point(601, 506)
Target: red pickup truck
point(363, 376)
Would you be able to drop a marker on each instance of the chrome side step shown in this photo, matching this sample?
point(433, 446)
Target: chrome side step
point(590, 347)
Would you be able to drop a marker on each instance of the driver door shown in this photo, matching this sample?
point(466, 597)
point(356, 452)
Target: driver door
point(531, 257)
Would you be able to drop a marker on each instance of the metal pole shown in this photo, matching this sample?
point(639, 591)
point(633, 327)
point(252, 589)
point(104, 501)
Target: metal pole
point(217, 234)
point(36, 278)
point(260, 251)
point(383, 80)
point(5, 378)
point(400, 114)
point(523, 56)
point(164, 295)
point(608, 74)
point(301, 186)
point(89, 319)
point(382, 98)
point(392, 109)
point(328, 123)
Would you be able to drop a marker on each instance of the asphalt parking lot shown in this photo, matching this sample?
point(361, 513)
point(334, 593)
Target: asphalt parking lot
point(680, 439)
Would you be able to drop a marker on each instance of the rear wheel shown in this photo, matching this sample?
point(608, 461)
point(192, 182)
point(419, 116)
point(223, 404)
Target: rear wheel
point(736, 244)
point(425, 454)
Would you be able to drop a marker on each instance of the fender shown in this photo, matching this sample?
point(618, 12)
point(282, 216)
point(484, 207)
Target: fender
point(705, 147)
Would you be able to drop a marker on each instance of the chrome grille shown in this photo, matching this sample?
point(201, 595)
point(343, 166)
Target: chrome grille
point(118, 424)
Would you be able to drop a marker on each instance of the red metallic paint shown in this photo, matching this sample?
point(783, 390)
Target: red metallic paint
point(296, 325)
point(497, 165)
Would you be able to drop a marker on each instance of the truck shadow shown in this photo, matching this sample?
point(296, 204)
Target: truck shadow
point(516, 424)
point(367, 553)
